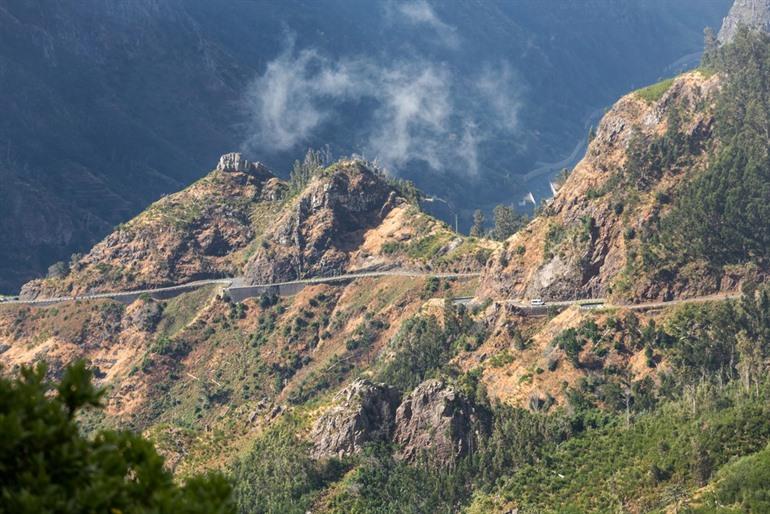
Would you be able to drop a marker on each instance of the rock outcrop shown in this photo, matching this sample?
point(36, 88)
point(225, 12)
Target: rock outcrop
point(363, 413)
point(315, 235)
point(434, 424)
point(234, 162)
point(437, 423)
point(753, 14)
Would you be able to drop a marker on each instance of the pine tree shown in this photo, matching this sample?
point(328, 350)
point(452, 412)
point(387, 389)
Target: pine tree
point(477, 229)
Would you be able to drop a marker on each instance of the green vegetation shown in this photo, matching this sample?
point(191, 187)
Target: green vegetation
point(424, 348)
point(655, 92)
point(736, 187)
point(303, 172)
point(47, 465)
point(553, 238)
point(742, 484)
point(507, 222)
point(617, 442)
point(278, 475)
point(719, 218)
point(179, 311)
point(650, 157)
point(477, 229)
point(662, 456)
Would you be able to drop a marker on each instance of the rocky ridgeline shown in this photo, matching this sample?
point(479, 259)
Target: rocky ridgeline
point(754, 14)
point(434, 423)
point(241, 220)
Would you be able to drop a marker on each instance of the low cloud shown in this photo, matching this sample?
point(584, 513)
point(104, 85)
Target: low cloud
point(419, 111)
point(498, 87)
point(421, 13)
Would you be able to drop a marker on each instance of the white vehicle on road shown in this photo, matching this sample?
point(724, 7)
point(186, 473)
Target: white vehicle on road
point(536, 302)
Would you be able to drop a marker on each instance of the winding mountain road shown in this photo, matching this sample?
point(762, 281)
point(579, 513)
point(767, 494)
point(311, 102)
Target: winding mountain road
point(236, 285)
point(239, 290)
point(601, 303)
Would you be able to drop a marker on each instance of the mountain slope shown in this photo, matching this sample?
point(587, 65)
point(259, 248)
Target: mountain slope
point(397, 393)
point(586, 238)
point(194, 234)
point(240, 220)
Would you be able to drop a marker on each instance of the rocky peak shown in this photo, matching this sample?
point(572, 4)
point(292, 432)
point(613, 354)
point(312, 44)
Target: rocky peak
point(318, 231)
point(363, 413)
point(189, 235)
point(234, 162)
point(754, 14)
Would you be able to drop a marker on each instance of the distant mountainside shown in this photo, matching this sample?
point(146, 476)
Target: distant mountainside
point(108, 105)
point(590, 241)
point(748, 13)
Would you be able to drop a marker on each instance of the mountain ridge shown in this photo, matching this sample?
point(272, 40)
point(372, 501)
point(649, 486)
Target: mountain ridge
point(139, 100)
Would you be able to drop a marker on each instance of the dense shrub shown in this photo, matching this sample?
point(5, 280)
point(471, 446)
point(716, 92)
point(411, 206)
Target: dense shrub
point(47, 465)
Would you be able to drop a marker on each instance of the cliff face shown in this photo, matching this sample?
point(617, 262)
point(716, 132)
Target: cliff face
point(753, 14)
point(434, 422)
point(585, 238)
point(363, 413)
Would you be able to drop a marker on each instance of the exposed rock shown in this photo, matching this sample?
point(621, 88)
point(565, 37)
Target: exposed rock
point(364, 413)
point(327, 221)
point(437, 423)
point(235, 163)
point(753, 14)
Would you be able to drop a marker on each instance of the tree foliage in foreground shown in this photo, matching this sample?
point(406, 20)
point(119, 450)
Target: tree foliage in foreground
point(47, 465)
